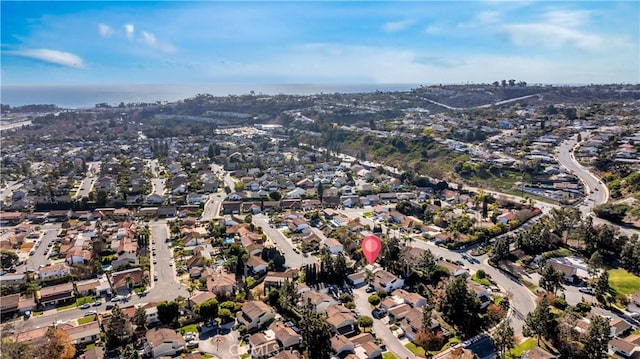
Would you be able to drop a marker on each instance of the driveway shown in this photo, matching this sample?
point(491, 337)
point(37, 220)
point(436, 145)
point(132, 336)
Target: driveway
point(293, 259)
point(222, 345)
point(394, 345)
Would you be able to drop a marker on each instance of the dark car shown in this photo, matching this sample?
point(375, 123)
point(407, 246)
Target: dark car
point(370, 290)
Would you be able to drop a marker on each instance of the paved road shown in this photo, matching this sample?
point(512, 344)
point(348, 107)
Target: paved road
point(157, 186)
point(382, 331)
point(597, 191)
point(229, 182)
point(167, 286)
point(7, 191)
point(521, 297)
point(293, 259)
point(212, 206)
point(50, 232)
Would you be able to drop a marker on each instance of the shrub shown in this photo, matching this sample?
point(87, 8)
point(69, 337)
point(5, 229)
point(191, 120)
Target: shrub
point(560, 303)
point(374, 299)
point(583, 307)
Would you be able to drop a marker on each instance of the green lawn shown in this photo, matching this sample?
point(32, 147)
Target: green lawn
point(624, 282)
point(523, 347)
point(416, 350)
point(532, 287)
point(85, 320)
point(481, 281)
point(389, 355)
point(188, 328)
point(65, 307)
point(85, 300)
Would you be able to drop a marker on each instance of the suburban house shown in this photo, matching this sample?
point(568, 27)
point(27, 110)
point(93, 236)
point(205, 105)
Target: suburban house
point(221, 282)
point(341, 319)
point(569, 272)
point(255, 314)
point(54, 271)
point(333, 245)
point(619, 327)
point(199, 298)
point(82, 334)
point(285, 335)
point(257, 264)
point(483, 293)
point(13, 303)
point(538, 353)
point(319, 301)
point(412, 323)
point(415, 300)
point(163, 342)
point(125, 280)
point(358, 278)
point(383, 280)
point(56, 294)
point(263, 345)
point(341, 345)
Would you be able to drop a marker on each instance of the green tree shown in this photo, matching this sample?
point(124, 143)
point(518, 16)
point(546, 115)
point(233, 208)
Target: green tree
point(208, 310)
point(320, 191)
point(140, 319)
point(460, 306)
point(500, 250)
point(118, 328)
point(275, 195)
point(365, 321)
point(597, 340)
point(602, 287)
point(540, 322)
point(238, 186)
point(595, 263)
point(8, 259)
point(168, 312)
point(426, 318)
point(316, 333)
point(551, 279)
point(503, 338)
point(374, 299)
point(130, 352)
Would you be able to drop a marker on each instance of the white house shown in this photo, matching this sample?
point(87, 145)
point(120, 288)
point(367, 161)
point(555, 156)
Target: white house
point(195, 198)
point(296, 193)
point(255, 314)
point(54, 271)
point(164, 342)
point(333, 245)
point(383, 280)
point(234, 196)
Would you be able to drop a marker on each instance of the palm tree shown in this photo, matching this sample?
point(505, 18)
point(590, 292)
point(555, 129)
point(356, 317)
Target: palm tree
point(129, 281)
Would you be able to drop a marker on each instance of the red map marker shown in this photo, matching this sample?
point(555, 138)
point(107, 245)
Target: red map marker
point(371, 246)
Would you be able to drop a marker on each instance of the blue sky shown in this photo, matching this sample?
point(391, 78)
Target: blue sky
point(427, 42)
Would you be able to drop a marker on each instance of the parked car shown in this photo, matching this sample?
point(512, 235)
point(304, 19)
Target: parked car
point(97, 303)
point(585, 290)
point(85, 306)
point(90, 313)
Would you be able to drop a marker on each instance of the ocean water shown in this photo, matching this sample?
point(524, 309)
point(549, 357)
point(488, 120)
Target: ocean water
point(85, 96)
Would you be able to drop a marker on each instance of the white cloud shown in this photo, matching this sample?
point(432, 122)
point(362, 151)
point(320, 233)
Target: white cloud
point(51, 56)
point(150, 40)
point(434, 29)
point(129, 30)
point(570, 18)
point(488, 17)
point(553, 35)
point(395, 26)
point(105, 30)
point(331, 63)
